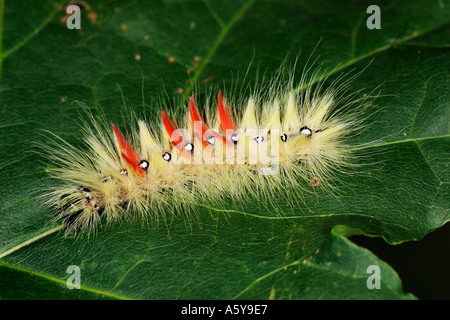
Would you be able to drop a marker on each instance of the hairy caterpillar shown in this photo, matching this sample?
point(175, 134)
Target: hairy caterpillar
point(279, 136)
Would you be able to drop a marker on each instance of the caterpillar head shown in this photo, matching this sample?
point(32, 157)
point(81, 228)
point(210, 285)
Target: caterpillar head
point(80, 207)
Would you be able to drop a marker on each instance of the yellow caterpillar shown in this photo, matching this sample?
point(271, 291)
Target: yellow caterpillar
point(280, 139)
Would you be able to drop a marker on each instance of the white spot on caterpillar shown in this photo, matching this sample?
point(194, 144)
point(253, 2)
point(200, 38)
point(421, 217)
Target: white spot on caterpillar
point(306, 130)
point(143, 164)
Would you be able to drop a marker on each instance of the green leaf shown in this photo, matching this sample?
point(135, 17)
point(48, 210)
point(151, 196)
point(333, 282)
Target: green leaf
point(292, 247)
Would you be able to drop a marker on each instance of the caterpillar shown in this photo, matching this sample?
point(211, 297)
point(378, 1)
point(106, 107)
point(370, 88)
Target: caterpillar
point(279, 138)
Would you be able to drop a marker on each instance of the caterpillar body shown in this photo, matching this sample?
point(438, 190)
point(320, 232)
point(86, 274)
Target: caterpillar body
point(283, 138)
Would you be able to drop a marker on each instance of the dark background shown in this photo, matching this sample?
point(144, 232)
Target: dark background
point(423, 266)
